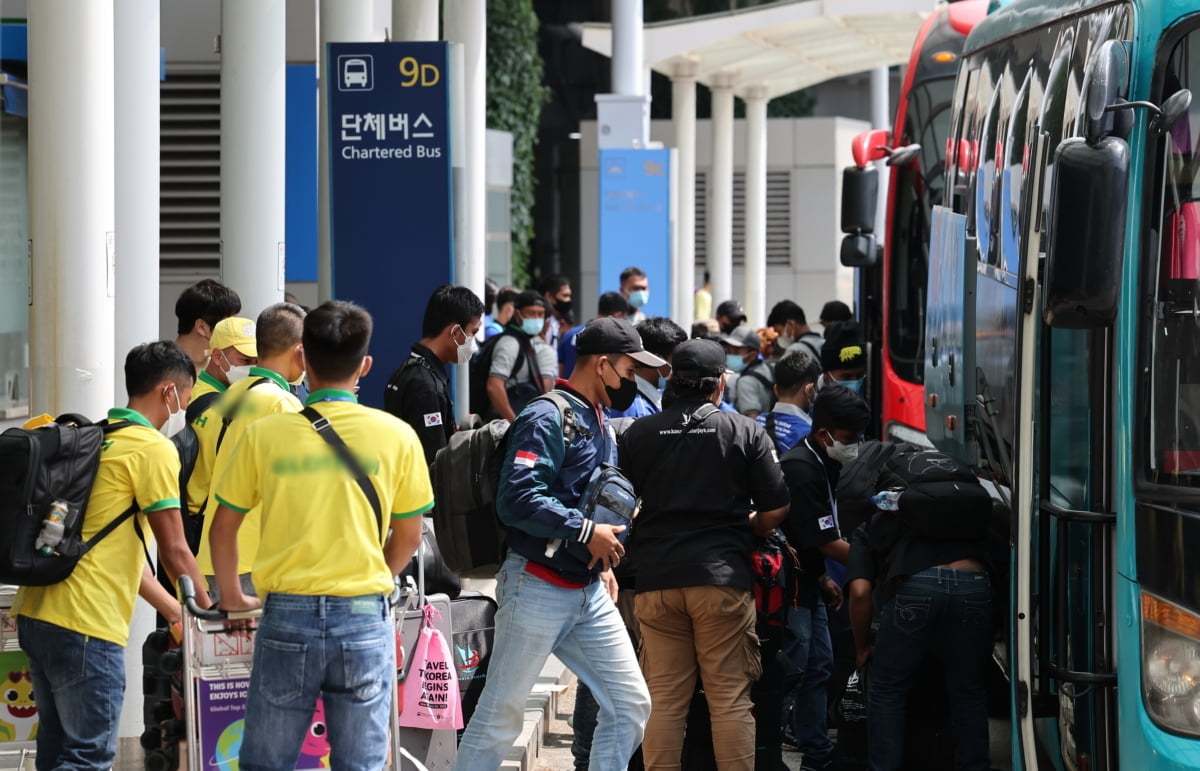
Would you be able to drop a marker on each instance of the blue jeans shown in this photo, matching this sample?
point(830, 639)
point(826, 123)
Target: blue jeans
point(949, 612)
point(341, 648)
point(811, 651)
point(583, 629)
point(79, 685)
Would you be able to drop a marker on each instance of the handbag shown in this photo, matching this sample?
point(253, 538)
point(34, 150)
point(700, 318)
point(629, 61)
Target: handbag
point(430, 695)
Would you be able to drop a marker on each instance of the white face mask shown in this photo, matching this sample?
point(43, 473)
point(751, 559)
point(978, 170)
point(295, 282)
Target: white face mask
point(238, 372)
point(785, 341)
point(467, 348)
point(842, 453)
point(176, 419)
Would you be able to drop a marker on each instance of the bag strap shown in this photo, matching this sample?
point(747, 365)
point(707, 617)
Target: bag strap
point(525, 353)
point(108, 428)
point(812, 348)
point(321, 425)
point(199, 405)
point(570, 423)
point(228, 415)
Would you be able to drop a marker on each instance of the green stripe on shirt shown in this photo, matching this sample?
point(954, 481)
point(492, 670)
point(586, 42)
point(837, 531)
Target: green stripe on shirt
point(422, 510)
point(166, 503)
point(229, 505)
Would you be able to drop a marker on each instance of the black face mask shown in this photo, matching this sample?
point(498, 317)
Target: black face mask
point(562, 307)
point(621, 398)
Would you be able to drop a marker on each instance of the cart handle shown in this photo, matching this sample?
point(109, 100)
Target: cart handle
point(187, 591)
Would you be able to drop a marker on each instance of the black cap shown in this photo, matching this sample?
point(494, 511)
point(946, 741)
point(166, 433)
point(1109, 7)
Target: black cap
point(730, 309)
point(613, 335)
point(698, 359)
point(836, 310)
point(844, 347)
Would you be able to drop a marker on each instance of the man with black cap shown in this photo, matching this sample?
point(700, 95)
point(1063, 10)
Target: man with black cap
point(556, 589)
point(730, 316)
point(844, 357)
point(701, 474)
point(754, 389)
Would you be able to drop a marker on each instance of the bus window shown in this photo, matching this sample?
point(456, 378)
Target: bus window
point(919, 186)
point(1175, 395)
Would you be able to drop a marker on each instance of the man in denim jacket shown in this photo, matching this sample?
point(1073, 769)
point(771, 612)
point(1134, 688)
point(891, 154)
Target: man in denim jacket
point(556, 589)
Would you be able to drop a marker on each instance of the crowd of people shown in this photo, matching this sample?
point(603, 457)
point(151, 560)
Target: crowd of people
point(728, 434)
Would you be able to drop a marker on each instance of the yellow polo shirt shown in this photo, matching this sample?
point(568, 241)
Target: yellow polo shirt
point(137, 463)
point(272, 398)
point(207, 384)
point(318, 532)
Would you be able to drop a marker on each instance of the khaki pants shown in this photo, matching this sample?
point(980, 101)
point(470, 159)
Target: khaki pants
point(709, 631)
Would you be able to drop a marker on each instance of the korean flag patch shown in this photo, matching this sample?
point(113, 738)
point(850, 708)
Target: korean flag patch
point(433, 419)
point(827, 523)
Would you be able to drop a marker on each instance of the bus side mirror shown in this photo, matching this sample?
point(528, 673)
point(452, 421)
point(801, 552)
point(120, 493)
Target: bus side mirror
point(860, 194)
point(1086, 233)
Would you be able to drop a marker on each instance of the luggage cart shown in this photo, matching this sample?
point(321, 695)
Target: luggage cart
point(18, 716)
point(216, 680)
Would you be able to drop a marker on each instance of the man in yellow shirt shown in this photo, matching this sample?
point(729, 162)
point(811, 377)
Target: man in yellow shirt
point(327, 558)
point(74, 632)
point(265, 392)
point(234, 350)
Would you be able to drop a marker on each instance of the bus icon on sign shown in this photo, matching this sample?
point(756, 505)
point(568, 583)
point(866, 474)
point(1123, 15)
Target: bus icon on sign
point(356, 72)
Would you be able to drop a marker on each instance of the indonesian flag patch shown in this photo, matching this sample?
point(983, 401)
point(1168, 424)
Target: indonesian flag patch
point(525, 458)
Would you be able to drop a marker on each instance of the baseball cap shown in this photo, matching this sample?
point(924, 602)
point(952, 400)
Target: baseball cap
point(698, 358)
point(836, 310)
point(844, 347)
point(613, 335)
point(743, 337)
point(235, 332)
point(730, 309)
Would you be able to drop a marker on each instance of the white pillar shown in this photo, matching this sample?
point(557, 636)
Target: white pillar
point(253, 141)
point(683, 116)
point(137, 176)
point(72, 221)
point(881, 119)
point(628, 57)
point(720, 210)
point(465, 22)
point(340, 21)
point(414, 19)
point(755, 226)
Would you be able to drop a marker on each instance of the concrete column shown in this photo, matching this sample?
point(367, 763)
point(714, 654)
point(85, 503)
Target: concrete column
point(628, 56)
point(339, 21)
point(756, 205)
point(465, 22)
point(253, 142)
point(720, 210)
point(683, 116)
point(137, 176)
point(72, 220)
point(881, 119)
point(414, 19)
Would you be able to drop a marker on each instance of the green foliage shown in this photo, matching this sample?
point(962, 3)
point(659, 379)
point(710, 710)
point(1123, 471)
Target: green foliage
point(515, 96)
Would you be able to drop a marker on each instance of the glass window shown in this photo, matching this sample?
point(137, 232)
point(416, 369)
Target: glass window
point(919, 186)
point(14, 266)
point(1175, 366)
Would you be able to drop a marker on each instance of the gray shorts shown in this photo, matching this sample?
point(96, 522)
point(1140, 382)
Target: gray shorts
point(215, 594)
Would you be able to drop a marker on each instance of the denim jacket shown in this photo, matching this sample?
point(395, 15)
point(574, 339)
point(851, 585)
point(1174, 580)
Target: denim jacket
point(542, 480)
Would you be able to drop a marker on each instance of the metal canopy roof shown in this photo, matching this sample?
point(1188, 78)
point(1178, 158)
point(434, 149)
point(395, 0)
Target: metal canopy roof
point(779, 48)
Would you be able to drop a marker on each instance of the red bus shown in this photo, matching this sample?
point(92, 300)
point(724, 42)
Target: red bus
point(892, 296)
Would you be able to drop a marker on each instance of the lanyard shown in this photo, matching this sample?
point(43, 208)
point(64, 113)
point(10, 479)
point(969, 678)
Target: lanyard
point(829, 487)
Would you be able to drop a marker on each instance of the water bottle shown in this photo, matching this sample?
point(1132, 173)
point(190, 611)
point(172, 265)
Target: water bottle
point(52, 528)
point(888, 500)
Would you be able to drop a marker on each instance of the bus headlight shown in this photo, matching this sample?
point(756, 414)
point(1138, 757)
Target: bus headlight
point(1171, 665)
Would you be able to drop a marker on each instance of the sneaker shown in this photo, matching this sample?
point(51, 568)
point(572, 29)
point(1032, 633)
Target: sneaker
point(826, 765)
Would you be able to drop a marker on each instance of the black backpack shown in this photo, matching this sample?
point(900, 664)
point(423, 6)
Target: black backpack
point(465, 476)
point(940, 496)
point(755, 371)
point(40, 467)
point(519, 394)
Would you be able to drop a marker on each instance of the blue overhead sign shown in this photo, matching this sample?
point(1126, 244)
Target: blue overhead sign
point(389, 192)
point(635, 222)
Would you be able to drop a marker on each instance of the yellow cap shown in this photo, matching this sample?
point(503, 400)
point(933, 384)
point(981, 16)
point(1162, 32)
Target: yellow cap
point(235, 332)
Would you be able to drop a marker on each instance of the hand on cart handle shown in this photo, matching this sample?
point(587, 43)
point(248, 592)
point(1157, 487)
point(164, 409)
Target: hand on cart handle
point(239, 613)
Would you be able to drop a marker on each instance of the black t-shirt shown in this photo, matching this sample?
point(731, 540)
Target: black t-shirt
point(419, 394)
point(884, 552)
point(698, 487)
point(812, 521)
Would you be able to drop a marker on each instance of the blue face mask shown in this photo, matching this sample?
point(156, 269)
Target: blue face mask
point(662, 383)
point(734, 362)
point(639, 297)
point(854, 385)
point(532, 327)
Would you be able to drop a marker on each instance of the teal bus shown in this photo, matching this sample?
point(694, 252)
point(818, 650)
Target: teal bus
point(1062, 360)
